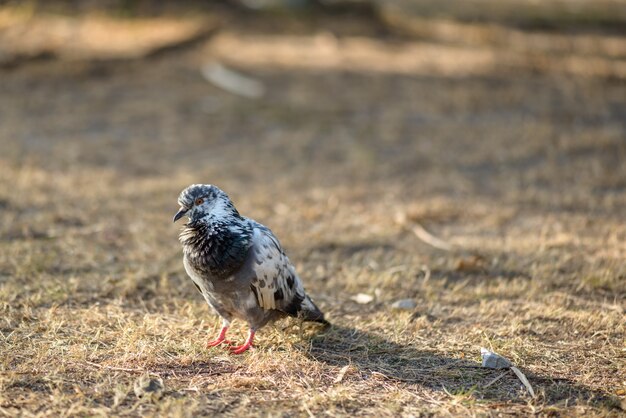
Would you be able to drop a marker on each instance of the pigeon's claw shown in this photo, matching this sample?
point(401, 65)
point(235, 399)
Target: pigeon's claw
point(221, 339)
point(243, 348)
point(217, 342)
point(240, 349)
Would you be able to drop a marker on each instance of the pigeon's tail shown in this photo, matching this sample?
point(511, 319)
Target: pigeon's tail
point(310, 312)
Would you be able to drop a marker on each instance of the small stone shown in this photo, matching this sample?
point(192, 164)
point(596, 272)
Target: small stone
point(147, 387)
point(362, 298)
point(492, 360)
point(404, 304)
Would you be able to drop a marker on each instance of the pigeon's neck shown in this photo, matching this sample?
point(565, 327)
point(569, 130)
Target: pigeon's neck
point(217, 246)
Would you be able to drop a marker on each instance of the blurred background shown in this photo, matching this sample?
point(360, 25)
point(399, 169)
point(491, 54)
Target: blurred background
point(464, 157)
point(499, 127)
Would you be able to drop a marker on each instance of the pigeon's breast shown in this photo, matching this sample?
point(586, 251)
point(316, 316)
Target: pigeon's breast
point(215, 251)
point(205, 286)
point(227, 298)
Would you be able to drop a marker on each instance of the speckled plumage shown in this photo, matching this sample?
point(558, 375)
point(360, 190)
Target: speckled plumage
point(238, 264)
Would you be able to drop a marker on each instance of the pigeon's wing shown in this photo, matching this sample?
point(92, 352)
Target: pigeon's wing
point(275, 283)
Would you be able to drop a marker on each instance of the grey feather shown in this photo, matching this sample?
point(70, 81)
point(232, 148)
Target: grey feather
point(238, 264)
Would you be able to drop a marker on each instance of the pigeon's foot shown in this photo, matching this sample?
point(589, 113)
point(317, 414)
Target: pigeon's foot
point(243, 348)
point(221, 339)
point(215, 343)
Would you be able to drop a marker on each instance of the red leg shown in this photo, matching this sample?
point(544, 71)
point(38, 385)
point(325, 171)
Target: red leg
point(220, 338)
point(243, 348)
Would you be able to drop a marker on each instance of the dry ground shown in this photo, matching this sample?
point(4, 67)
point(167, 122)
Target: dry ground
point(515, 159)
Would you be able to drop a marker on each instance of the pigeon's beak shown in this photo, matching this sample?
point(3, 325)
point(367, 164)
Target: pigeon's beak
point(180, 214)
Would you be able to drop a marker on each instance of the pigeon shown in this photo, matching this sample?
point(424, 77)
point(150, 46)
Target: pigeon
point(238, 265)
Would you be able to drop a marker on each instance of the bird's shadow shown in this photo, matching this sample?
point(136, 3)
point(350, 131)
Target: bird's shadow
point(376, 357)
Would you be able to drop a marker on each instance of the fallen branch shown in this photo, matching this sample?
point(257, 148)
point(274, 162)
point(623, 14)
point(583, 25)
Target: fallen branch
point(524, 380)
point(232, 81)
point(430, 239)
point(492, 360)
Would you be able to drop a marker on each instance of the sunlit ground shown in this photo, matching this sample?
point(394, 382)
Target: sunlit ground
point(506, 145)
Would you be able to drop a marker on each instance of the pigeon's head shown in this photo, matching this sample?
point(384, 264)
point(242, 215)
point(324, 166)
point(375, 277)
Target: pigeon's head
point(200, 200)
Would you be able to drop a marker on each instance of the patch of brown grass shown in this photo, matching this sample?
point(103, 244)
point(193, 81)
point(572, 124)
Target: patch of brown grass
point(521, 173)
point(88, 311)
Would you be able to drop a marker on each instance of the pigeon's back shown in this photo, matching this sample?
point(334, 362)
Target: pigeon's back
point(273, 279)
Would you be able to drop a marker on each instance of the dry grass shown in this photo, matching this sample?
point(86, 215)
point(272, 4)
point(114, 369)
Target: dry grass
point(522, 173)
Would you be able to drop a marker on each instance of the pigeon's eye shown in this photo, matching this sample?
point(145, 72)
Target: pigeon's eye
point(199, 201)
